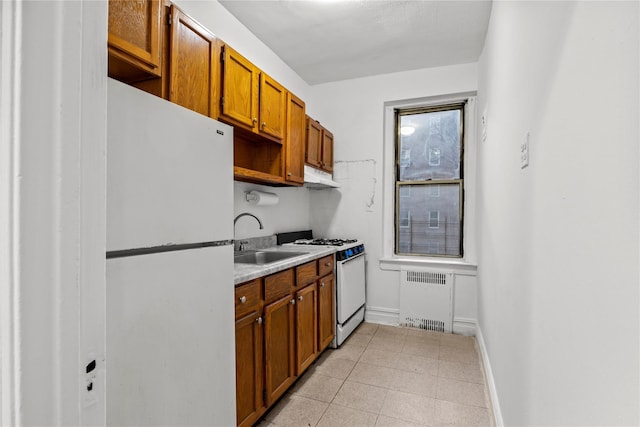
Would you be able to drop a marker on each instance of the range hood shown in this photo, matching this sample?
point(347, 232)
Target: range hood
point(314, 178)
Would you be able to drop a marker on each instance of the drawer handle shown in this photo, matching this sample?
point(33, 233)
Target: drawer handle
point(328, 264)
point(259, 320)
point(243, 299)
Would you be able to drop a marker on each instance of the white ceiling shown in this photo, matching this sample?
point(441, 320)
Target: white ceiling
point(330, 40)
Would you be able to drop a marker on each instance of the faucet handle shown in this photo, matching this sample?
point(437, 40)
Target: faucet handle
point(242, 243)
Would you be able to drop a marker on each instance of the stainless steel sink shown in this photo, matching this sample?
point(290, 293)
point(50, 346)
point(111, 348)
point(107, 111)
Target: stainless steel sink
point(263, 257)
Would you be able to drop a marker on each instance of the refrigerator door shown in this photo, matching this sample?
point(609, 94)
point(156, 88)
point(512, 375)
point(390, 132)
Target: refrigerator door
point(170, 339)
point(169, 173)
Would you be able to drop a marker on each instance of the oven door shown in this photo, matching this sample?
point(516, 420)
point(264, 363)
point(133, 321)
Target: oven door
point(350, 288)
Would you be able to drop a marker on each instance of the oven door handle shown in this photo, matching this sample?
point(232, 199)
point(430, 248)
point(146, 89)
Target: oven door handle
point(351, 259)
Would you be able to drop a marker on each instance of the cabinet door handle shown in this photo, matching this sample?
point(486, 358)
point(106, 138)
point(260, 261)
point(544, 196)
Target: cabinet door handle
point(259, 320)
point(264, 124)
point(243, 299)
point(300, 298)
point(293, 302)
point(322, 284)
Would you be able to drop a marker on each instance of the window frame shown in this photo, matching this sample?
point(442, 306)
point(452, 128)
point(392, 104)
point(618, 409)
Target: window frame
point(398, 113)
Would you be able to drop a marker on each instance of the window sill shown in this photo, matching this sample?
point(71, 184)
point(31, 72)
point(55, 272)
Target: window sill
point(459, 266)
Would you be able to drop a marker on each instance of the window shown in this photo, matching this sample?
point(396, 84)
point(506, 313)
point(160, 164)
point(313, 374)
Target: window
point(434, 219)
point(405, 219)
point(430, 186)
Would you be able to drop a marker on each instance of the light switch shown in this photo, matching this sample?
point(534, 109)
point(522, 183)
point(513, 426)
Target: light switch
point(483, 123)
point(524, 152)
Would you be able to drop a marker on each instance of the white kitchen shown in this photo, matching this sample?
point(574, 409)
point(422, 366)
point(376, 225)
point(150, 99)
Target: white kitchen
point(546, 283)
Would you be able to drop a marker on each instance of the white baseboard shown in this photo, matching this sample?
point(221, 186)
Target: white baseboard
point(382, 315)
point(464, 326)
point(488, 376)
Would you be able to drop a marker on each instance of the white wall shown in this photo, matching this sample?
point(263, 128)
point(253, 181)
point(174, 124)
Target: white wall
point(52, 218)
point(290, 214)
point(354, 111)
point(558, 244)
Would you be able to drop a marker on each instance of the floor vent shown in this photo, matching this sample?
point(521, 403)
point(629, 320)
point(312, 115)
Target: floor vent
point(426, 299)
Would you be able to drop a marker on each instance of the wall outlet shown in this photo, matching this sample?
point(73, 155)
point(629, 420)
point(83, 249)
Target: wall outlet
point(524, 152)
point(89, 383)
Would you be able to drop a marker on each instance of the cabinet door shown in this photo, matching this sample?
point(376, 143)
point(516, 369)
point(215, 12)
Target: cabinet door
point(314, 142)
point(194, 65)
point(273, 107)
point(294, 143)
point(326, 311)
point(134, 39)
point(249, 365)
point(327, 151)
point(279, 347)
point(240, 80)
point(306, 327)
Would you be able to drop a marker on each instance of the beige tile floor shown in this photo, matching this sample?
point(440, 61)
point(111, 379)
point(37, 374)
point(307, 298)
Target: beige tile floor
point(389, 376)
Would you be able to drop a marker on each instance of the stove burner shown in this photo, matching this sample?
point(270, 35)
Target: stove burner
point(324, 242)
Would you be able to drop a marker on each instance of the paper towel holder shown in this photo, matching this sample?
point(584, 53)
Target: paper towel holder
point(260, 197)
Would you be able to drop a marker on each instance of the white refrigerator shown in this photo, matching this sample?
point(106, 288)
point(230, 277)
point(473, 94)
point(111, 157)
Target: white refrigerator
point(170, 356)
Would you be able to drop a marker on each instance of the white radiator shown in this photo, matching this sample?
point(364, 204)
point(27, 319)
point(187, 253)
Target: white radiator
point(426, 299)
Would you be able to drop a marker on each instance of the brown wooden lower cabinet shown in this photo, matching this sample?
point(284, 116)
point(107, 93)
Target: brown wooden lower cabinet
point(283, 322)
point(279, 347)
point(326, 311)
point(249, 399)
point(306, 327)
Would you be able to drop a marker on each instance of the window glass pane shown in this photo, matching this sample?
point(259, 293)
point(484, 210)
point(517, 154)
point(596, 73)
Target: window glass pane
point(433, 139)
point(434, 219)
point(429, 225)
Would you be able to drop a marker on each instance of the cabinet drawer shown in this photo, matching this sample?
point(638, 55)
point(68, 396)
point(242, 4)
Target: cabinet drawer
point(306, 273)
point(247, 297)
point(325, 265)
point(278, 285)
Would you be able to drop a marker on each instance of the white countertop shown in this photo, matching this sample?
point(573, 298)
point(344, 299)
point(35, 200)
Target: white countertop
point(245, 272)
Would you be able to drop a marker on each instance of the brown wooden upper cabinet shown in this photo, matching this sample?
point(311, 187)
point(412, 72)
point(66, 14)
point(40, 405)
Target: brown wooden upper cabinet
point(134, 40)
point(326, 162)
point(194, 67)
point(295, 137)
point(250, 98)
point(319, 146)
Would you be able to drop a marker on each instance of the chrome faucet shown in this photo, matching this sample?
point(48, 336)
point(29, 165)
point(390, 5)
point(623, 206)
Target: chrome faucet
point(247, 214)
